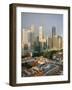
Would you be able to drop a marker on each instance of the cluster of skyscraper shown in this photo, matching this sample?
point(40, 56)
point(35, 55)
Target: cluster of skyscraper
point(29, 37)
point(55, 41)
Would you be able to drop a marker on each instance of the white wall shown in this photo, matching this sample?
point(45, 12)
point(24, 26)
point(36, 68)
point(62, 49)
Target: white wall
point(4, 45)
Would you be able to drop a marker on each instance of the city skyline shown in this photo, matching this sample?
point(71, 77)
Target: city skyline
point(29, 38)
point(41, 44)
point(47, 21)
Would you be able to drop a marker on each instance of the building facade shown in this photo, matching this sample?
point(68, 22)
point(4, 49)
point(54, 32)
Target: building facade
point(42, 38)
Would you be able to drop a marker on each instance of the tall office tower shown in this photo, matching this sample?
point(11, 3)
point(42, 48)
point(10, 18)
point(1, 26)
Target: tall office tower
point(60, 42)
point(24, 41)
point(53, 36)
point(57, 42)
point(53, 31)
point(40, 33)
point(42, 39)
point(31, 36)
point(49, 42)
point(32, 28)
point(24, 37)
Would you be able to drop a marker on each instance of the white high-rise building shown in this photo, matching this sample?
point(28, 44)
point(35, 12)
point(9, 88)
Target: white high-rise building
point(32, 28)
point(40, 33)
point(42, 39)
point(24, 37)
point(31, 36)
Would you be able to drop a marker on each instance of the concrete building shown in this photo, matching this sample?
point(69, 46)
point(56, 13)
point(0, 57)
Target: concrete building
point(53, 31)
point(24, 37)
point(31, 36)
point(40, 33)
point(27, 37)
point(49, 42)
point(57, 42)
point(56, 39)
point(42, 38)
point(53, 36)
point(60, 41)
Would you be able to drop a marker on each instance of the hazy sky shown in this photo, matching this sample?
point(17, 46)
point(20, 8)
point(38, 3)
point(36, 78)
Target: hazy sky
point(42, 19)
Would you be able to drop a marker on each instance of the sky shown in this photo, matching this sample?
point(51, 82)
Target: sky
point(43, 19)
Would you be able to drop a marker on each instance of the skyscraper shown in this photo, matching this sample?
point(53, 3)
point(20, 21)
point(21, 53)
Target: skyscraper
point(53, 36)
point(60, 42)
point(42, 38)
point(56, 39)
point(53, 31)
point(57, 42)
point(40, 33)
point(31, 36)
point(49, 42)
point(24, 41)
point(24, 37)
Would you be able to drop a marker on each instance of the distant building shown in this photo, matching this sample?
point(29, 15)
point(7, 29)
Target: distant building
point(24, 37)
point(40, 33)
point(60, 41)
point(42, 38)
point(31, 36)
point(49, 42)
point(53, 31)
point(53, 35)
point(27, 37)
point(57, 42)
